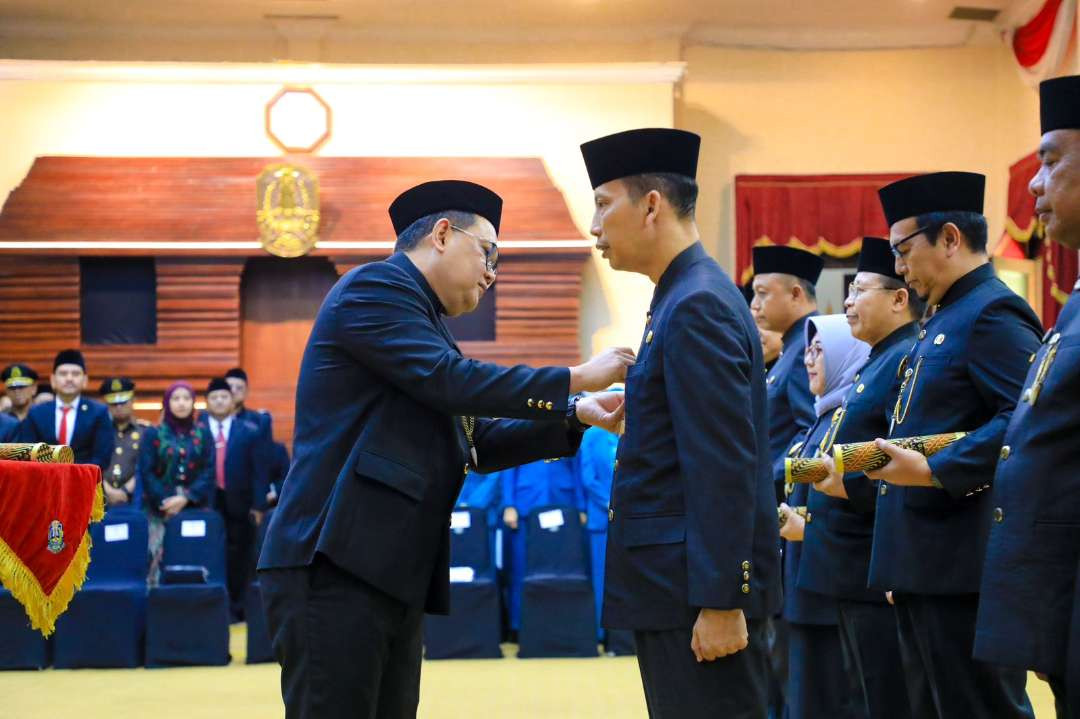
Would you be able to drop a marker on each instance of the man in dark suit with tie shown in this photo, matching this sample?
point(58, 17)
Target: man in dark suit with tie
point(1029, 608)
point(241, 475)
point(394, 417)
point(692, 554)
point(71, 419)
point(963, 374)
point(238, 382)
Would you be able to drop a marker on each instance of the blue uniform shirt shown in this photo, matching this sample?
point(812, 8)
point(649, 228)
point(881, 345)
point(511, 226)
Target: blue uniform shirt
point(1029, 579)
point(964, 374)
point(596, 465)
point(836, 549)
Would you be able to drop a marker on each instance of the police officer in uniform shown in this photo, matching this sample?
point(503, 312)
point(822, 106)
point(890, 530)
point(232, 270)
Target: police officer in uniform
point(119, 478)
point(882, 312)
point(19, 381)
point(692, 556)
point(359, 543)
point(1028, 604)
point(964, 374)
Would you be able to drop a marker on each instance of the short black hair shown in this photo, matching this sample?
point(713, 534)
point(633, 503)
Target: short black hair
point(681, 191)
point(410, 237)
point(972, 226)
point(916, 304)
point(808, 287)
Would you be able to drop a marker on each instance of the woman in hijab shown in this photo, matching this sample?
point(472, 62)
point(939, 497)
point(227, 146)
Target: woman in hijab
point(176, 466)
point(818, 684)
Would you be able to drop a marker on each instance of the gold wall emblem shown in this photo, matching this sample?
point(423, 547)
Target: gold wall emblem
point(287, 210)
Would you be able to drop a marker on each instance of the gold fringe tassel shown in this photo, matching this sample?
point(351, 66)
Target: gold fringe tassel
point(43, 610)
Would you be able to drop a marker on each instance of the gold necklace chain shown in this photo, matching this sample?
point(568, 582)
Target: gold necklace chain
point(898, 417)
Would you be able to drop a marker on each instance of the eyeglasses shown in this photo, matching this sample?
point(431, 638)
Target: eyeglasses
point(896, 245)
point(853, 290)
point(491, 250)
point(813, 351)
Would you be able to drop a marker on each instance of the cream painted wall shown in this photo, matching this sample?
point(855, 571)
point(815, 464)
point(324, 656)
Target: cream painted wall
point(770, 112)
point(549, 121)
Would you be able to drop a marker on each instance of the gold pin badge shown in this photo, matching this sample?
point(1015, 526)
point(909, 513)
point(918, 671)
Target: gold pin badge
point(648, 337)
point(922, 334)
point(134, 435)
point(860, 388)
point(940, 339)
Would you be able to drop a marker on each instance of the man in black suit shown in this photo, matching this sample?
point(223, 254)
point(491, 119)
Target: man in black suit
point(358, 547)
point(241, 475)
point(693, 545)
point(71, 419)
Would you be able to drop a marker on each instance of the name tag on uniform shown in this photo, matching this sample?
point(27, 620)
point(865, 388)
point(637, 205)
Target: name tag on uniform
point(551, 519)
point(193, 528)
point(462, 575)
point(116, 532)
point(460, 521)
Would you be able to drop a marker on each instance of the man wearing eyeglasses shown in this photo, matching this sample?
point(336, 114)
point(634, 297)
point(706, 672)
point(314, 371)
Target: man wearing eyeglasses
point(836, 548)
point(1028, 610)
point(964, 374)
point(358, 547)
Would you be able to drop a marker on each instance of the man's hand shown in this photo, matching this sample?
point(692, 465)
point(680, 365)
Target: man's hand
point(602, 371)
point(510, 517)
point(171, 506)
point(889, 598)
point(833, 485)
point(718, 633)
point(114, 495)
point(906, 467)
point(794, 526)
point(605, 409)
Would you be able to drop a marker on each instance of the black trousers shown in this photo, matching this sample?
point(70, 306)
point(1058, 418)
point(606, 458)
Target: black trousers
point(777, 631)
point(871, 648)
point(937, 636)
point(678, 687)
point(347, 650)
point(239, 555)
point(819, 684)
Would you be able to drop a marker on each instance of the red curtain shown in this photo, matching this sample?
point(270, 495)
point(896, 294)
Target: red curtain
point(1060, 265)
point(827, 214)
point(1031, 40)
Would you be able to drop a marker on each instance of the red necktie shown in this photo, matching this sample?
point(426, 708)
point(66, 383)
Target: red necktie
point(219, 456)
point(63, 438)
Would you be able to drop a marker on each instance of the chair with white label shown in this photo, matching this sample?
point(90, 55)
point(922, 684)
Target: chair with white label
point(21, 646)
point(188, 623)
point(473, 628)
point(105, 624)
point(557, 614)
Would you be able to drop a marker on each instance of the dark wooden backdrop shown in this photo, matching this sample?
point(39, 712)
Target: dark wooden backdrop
point(68, 207)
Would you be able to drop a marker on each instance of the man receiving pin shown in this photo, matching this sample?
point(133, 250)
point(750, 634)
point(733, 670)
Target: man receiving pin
point(692, 561)
point(964, 374)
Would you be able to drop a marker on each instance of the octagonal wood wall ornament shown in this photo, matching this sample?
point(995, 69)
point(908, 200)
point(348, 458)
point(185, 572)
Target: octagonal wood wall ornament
point(298, 120)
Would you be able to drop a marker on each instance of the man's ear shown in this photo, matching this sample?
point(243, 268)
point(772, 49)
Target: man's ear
point(440, 234)
point(952, 237)
point(652, 201)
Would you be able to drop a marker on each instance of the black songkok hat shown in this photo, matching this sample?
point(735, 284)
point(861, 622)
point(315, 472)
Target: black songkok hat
point(1059, 103)
point(18, 375)
point(117, 390)
point(443, 195)
point(935, 192)
point(640, 152)
point(788, 261)
point(69, 357)
point(238, 373)
point(876, 256)
point(218, 383)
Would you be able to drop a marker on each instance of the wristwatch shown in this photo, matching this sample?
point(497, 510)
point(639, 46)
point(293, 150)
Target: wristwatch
point(572, 421)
